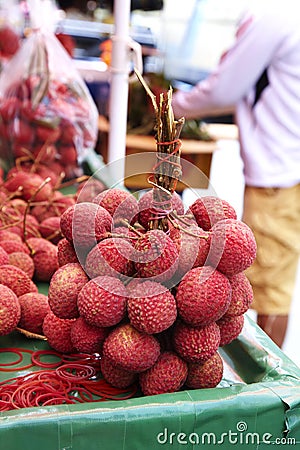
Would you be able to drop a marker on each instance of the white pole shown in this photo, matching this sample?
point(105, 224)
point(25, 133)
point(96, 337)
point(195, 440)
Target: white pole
point(118, 103)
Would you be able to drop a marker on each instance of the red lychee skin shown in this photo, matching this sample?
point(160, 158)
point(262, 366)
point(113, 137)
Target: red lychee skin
point(87, 191)
point(34, 308)
point(242, 295)
point(23, 261)
point(11, 246)
point(151, 307)
point(112, 257)
point(50, 229)
point(10, 310)
point(8, 235)
point(168, 374)
point(64, 287)
point(203, 296)
point(115, 376)
point(66, 252)
point(206, 375)
point(44, 255)
point(4, 256)
point(156, 256)
point(230, 328)
point(56, 207)
point(119, 203)
point(130, 349)
point(196, 344)
point(87, 338)
point(102, 301)
point(233, 246)
point(16, 279)
point(58, 333)
point(145, 207)
point(193, 245)
point(210, 209)
point(84, 224)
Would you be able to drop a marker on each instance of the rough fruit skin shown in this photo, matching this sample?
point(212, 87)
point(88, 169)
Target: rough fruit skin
point(205, 375)
point(84, 224)
point(4, 257)
point(168, 374)
point(102, 301)
point(16, 279)
point(10, 310)
point(196, 344)
point(210, 209)
point(145, 205)
point(64, 287)
point(50, 229)
point(151, 307)
point(112, 257)
point(119, 203)
point(130, 349)
point(87, 191)
point(44, 255)
point(230, 328)
point(156, 256)
point(66, 252)
point(116, 376)
point(87, 338)
point(23, 261)
point(203, 296)
point(34, 308)
point(58, 333)
point(242, 295)
point(11, 246)
point(233, 246)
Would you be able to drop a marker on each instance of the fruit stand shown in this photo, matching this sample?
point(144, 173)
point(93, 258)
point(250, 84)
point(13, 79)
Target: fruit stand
point(256, 405)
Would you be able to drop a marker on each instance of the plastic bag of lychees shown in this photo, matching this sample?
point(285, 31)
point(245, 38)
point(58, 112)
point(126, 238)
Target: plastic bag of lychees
point(46, 110)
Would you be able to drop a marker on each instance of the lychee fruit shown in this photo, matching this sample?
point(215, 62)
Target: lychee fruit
point(102, 301)
point(66, 252)
point(196, 344)
point(87, 338)
point(16, 279)
point(121, 205)
point(203, 296)
point(10, 310)
point(44, 255)
point(210, 209)
point(87, 190)
point(4, 257)
point(241, 295)
point(156, 256)
point(130, 349)
point(151, 307)
point(50, 229)
point(11, 246)
point(116, 376)
point(34, 308)
point(64, 287)
point(233, 246)
point(58, 333)
point(145, 205)
point(230, 328)
point(168, 374)
point(23, 261)
point(84, 224)
point(111, 256)
point(207, 374)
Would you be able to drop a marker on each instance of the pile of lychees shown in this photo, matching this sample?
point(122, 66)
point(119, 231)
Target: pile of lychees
point(156, 305)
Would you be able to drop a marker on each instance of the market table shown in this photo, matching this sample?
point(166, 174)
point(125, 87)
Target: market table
point(257, 404)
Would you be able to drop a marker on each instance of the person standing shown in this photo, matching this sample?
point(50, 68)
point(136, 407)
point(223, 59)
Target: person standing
point(258, 79)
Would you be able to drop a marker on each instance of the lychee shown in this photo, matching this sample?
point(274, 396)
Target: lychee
point(87, 338)
point(210, 209)
point(11, 246)
point(130, 349)
point(203, 296)
point(196, 344)
point(66, 252)
point(87, 190)
point(58, 333)
point(151, 307)
point(64, 287)
point(23, 261)
point(34, 308)
point(50, 229)
point(10, 310)
point(116, 376)
point(102, 301)
point(241, 296)
point(111, 256)
point(121, 205)
point(16, 279)
point(168, 374)
point(207, 374)
point(4, 257)
point(44, 255)
point(146, 206)
point(233, 246)
point(230, 328)
point(156, 256)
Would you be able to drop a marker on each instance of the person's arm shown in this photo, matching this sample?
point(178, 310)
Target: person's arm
point(236, 73)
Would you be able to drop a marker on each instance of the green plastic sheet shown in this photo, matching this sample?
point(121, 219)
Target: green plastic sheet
point(256, 406)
